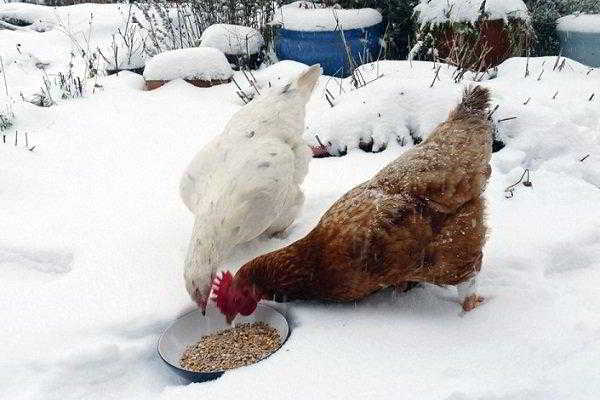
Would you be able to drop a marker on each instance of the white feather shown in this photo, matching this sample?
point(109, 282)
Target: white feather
point(246, 181)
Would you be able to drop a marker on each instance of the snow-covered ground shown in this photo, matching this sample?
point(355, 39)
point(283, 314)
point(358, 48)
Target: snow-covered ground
point(93, 238)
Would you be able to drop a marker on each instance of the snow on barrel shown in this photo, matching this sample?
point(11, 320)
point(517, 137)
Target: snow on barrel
point(200, 66)
point(580, 38)
point(337, 39)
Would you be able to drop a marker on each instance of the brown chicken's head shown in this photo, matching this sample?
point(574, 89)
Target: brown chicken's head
point(232, 297)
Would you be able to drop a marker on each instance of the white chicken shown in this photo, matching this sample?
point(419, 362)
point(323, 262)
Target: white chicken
point(246, 181)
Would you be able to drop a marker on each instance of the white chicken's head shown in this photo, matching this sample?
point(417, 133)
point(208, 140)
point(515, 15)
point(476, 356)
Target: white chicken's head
point(278, 111)
point(198, 289)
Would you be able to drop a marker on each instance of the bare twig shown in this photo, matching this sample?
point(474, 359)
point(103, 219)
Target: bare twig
point(562, 65)
point(555, 94)
point(437, 72)
point(328, 100)
point(527, 101)
point(489, 116)
point(584, 158)
point(4, 76)
point(556, 62)
point(509, 191)
point(539, 78)
point(592, 97)
point(507, 119)
point(319, 141)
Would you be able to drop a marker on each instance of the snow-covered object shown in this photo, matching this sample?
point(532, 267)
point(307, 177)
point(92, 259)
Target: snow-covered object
point(66, 30)
point(588, 23)
point(441, 11)
point(297, 17)
point(246, 181)
point(203, 63)
point(232, 39)
point(39, 18)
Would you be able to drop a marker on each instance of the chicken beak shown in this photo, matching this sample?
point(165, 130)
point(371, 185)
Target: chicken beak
point(229, 318)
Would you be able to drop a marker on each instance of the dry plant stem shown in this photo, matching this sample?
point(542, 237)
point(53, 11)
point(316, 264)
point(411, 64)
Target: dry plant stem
point(555, 94)
point(584, 158)
point(493, 111)
point(4, 76)
point(437, 71)
point(527, 101)
point(509, 190)
point(556, 62)
point(328, 100)
point(507, 119)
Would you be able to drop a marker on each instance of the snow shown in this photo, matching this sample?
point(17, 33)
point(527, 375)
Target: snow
point(94, 237)
point(205, 63)
point(589, 23)
point(441, 11)
point(297, 17)
point(232, 39)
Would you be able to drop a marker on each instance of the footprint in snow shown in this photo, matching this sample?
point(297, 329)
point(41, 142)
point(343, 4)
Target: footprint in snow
point(23, 260)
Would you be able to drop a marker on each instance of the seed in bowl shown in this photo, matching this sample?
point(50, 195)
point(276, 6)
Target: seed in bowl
point(241, 345)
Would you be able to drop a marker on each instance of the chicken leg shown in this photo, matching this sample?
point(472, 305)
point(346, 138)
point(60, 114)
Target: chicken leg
point(467, 294)
point(455, 255)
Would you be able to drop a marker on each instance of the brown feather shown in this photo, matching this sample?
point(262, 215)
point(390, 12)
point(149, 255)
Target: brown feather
point(420, 219)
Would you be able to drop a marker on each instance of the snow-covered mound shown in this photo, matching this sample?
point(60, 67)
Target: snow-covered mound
point(543, 113)
point(441, 11)
point(579, 23)
point(396, 105)
point(110, 36)
point(232, 39)
point(303, 16)
point(29, 15)
point(204, 63)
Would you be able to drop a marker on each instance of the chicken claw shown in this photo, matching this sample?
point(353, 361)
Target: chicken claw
point(472, 301)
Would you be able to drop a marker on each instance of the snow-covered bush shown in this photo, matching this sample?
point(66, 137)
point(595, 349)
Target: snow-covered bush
point(242, 45)
point(177, 25)
point(545, 13)
point(473, 34)
point(7, 115)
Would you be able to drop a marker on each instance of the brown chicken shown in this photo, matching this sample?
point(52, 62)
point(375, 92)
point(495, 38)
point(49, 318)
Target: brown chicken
point(419, 219)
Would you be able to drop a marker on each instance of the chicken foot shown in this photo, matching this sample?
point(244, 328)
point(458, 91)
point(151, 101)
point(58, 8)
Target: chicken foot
point(467, 293)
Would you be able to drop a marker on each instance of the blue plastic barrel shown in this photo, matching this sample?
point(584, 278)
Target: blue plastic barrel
point(327, 47)
point(580, 46)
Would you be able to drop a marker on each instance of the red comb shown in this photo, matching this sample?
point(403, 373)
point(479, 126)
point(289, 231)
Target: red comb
point(220, 287)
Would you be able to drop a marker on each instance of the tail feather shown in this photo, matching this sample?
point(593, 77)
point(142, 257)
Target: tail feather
point(308, 80)
point(475, 101)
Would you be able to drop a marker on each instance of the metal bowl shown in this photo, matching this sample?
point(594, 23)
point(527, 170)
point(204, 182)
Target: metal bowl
point(188, 330)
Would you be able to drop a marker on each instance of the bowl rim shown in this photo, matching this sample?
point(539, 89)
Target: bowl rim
point(221, 371)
